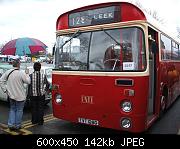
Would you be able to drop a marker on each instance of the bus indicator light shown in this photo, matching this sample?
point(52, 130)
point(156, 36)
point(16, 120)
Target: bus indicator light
point(55, 87)
point(129, 92)
point(58, 99)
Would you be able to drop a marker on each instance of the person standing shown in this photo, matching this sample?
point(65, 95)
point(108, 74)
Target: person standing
point(36, 90)
point(12, 83)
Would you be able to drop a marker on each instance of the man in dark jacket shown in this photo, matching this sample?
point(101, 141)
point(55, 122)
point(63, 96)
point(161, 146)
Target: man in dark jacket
point(38, 87)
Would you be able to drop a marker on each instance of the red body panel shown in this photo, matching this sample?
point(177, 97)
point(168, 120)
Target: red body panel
point(130, 13)
point(107, 98)
point(170, 77)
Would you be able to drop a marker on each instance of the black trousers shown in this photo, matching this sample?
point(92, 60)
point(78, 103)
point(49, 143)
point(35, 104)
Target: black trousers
point(37, 109)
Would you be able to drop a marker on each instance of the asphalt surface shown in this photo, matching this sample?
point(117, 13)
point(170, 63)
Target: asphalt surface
point(169, 123)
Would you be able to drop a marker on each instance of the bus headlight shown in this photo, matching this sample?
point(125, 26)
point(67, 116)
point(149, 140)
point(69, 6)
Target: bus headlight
point(58, 99)
point(126, 123)
point(126, 106)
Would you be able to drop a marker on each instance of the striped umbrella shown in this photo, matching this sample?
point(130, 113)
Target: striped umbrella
point(23, 46)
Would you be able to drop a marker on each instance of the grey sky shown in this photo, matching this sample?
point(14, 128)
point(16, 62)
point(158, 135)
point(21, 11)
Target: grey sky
point(37, 18)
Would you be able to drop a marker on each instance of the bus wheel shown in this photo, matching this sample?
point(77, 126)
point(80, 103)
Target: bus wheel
point(163, 101)
point(163, 104)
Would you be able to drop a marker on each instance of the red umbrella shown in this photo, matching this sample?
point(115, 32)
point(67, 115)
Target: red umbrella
point(23, 46)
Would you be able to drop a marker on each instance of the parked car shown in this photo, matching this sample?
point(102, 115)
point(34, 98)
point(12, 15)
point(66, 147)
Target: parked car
point(3, 69)
point(44, 69)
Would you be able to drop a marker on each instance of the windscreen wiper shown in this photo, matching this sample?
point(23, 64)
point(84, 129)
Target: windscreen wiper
point(74, 35)
point(77, 33)
point(112, 38)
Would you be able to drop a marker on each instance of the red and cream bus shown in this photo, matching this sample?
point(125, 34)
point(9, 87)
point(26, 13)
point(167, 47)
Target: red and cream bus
point(114, 68)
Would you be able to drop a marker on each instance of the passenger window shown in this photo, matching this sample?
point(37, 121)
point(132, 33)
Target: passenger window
point(165, 48)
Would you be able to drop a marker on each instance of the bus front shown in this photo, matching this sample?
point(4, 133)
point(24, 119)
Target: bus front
point(100, 70)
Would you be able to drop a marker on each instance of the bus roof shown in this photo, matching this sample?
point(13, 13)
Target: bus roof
point(125, 10)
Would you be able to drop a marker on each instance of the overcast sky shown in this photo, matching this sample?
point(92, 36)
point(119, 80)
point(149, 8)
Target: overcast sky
point(37, 18)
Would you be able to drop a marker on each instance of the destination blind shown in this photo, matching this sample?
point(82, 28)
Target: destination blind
point(95, 16)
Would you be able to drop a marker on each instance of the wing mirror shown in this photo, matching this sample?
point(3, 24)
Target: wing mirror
point(53, 50)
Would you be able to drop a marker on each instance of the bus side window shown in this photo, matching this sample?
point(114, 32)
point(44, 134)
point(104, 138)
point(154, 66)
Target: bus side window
point(165, 47)
point(162, 50)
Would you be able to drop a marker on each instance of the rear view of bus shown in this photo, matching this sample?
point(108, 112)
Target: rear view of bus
point(101, 74)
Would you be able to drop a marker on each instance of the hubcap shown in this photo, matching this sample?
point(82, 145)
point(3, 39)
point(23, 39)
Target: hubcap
point(163, 104)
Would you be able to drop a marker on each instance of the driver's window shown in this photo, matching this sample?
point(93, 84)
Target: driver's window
point(112, 58)
point(127, 52)
point(104, 50)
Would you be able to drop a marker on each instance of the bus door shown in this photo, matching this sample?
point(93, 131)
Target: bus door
point(152, 35)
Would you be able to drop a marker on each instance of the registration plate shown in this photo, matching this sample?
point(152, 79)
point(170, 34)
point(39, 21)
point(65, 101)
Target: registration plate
point(88, 121)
